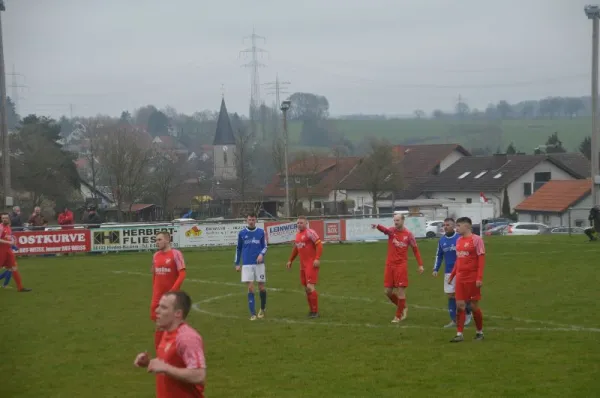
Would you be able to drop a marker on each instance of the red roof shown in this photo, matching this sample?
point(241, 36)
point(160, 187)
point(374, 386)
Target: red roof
point(556, 196)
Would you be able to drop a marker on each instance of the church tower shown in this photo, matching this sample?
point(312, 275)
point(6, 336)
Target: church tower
point(224, 147)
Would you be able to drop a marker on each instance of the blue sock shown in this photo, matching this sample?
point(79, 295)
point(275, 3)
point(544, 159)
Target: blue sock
point(7, 278)
point(468, 308)
point(263, 299)
point(251, 305)
point(4, 274)
point(452, 308)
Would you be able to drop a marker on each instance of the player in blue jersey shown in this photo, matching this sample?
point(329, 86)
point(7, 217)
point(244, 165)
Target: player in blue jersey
point(251, 251)
point(446, 252)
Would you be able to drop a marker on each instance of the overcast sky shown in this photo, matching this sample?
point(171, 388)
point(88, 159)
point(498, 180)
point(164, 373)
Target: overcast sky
point(367, 56)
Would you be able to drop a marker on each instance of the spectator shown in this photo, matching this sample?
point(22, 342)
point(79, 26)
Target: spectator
point(594, 219)
point(15, 219)
point(37, 220)
point(92, 219)
point(65, 219)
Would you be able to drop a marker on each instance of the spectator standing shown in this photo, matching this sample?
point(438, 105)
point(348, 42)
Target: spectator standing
point(16, 223)
point(65, 219)
point(92, 219)
point(37, 220)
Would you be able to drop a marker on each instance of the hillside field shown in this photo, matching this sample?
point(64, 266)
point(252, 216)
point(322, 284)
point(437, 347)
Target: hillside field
point(78, 332)
point(525, 134)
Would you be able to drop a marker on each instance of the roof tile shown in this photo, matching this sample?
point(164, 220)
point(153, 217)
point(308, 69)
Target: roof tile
point(556, 196)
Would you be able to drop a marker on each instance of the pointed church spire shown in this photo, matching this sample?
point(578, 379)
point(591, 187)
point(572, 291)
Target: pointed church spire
point(224, 133)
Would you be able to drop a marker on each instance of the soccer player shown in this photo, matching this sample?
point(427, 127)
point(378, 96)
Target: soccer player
point(309, 246)
point(251, 251)
point(8, 260)
point(396, 267)
point(470, 253)
point(446, 252)
point(168, 274)
point(179, 366)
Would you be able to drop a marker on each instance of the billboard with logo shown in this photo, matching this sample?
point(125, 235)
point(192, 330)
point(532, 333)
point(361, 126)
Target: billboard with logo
point(131, 238)
point(200, 235)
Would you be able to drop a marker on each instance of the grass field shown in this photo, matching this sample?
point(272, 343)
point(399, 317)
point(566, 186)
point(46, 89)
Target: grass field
point(78, 332)
point(525, 134)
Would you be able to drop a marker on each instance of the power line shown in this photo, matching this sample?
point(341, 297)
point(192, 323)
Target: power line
point(254, 64)
point(15, 87)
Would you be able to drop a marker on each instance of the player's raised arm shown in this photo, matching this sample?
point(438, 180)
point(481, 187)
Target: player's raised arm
point(180, 264)
point(238, 250)
point(382, 229)
point(480, 250)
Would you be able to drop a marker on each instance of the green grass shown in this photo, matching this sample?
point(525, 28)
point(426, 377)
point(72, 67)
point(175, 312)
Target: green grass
point(525, 134)
point(78, 332)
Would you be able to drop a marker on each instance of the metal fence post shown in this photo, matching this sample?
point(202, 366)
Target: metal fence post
point(570, 234)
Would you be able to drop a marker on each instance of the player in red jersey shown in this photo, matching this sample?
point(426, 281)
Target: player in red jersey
point(179, 365)
point(168, 274)
point(309, 246)
point(468, 270)
point(396, 266)
point(8, 260)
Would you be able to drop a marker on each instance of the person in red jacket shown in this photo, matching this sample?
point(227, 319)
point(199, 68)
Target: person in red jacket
point(65, 219)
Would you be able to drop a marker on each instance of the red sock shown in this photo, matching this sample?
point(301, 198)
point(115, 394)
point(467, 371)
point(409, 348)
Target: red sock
point(315, 301)
point(460, 320)
point(400, 308)
point(478, 316)
point(157, 338)
point(17, 277)
point(394, 299)
point(309, 299)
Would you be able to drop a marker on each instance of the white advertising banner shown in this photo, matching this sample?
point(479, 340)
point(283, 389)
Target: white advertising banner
point(202, 235)
point(281, 233)
point(130, 238)
point(360, 229)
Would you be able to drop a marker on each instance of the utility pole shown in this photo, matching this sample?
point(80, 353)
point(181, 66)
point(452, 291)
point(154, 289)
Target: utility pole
point(8, 199)
point(593, 13)
point(285, 106)
point(255, 52)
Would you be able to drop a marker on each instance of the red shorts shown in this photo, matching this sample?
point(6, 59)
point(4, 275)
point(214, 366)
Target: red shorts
point(8, 259)
point(309, 275)
point(396, 276)
point(467, 291)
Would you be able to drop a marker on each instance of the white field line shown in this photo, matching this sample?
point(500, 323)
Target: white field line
point(555, 326)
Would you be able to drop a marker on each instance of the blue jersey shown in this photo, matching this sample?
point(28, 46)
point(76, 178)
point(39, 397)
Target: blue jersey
point(251, 243)
point(446, 252)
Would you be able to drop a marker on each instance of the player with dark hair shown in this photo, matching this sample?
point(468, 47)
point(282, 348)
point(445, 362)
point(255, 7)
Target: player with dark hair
point(446, 252)
point(396, 267)
point(309, 246)
point(179, 366)
point(470, 253)
point(168, 274)
point(251, 251)
point(8, 260)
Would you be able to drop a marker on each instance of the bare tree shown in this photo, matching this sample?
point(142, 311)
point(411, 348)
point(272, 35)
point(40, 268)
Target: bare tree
point(125, 155)
point(305, 175)
point(244, 148)
point(169, 172)
point(338, 152)
point(278, 154)
point(93, 130)
point(381, 171)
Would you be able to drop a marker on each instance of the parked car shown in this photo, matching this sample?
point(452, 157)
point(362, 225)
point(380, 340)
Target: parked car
point(566, 230)
point(498, 230)
point(434, 228)
point(491, 225)
point(526, 228)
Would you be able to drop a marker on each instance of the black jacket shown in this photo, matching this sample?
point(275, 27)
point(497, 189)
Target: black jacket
point(15, 221)
point(92, 219)
point(595, 218)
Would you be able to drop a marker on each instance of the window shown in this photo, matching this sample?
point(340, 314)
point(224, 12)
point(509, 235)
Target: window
point(540, 179)
point(463, 175)
point(579, 223)
point(527, 188)
point(225, 158)
point(546, 219)
point(497, 176)
point(318, 205)
point(469, 200)
point(481, 174)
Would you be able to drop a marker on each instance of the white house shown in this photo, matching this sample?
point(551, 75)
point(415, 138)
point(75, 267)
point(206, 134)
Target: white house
point(558, 203)
point(417, 163)
point(515, 177)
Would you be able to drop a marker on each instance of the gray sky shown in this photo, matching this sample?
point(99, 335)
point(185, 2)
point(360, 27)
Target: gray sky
point(377, 56)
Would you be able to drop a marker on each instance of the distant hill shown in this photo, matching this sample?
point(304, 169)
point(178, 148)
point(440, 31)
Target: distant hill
point(525, 134)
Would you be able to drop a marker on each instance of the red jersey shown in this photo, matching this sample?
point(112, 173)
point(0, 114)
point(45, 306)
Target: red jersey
point(398, 243)
point(308, 245)
point(470, 259)
point(166, 267)
point(181, 348)
point(5, 234)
